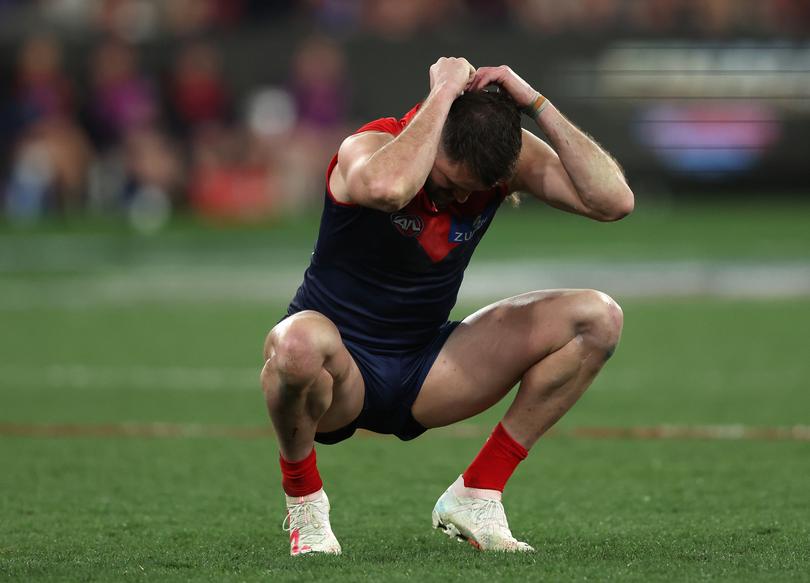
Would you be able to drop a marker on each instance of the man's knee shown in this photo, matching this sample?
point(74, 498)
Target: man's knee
point(297, 347)
point(598, 319)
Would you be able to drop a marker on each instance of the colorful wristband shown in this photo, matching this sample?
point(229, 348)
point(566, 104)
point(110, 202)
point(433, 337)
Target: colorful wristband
point(536, 107)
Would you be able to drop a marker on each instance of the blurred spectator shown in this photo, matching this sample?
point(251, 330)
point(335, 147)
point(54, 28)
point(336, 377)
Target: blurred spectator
point(319, 85)
point(140, 168)
point(129, 20)
point(122, 99)
point(547, 16)
point(154, 177)
point(396, 19)
point(70, 14)
point(337, 15)
point(234, 176)
point(320, 90)
point(42, 90)
point(189, 17)
point(48, 170)
point(553, 17)
point(51, 154)
point(197, 92)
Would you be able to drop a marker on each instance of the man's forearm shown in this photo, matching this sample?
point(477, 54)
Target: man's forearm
point(404, 163)
point(598, 179)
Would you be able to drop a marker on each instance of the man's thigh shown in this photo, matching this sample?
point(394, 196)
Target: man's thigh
point(491, 350)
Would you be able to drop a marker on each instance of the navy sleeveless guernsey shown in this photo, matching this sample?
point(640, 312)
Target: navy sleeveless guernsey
point(389, 280)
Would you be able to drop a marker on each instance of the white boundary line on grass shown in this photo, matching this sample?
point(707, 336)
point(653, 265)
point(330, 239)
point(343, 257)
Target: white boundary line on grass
point(484, 281)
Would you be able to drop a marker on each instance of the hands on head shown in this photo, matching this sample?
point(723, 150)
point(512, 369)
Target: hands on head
point(458, 75)
point(454, 74)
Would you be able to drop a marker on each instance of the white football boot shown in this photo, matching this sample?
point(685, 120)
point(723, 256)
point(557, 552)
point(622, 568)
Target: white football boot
point(308, 524)
point(476, 516)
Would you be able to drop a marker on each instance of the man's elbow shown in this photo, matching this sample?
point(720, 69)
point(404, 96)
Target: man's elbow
point(626, 202)
point(389, 204)
point(622, 203)
point(387, 196)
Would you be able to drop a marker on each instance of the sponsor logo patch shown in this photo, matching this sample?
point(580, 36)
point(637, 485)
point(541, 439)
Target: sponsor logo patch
point(464, 229)
point(408, 225)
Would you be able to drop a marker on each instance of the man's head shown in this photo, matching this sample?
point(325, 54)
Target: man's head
point(479, 147)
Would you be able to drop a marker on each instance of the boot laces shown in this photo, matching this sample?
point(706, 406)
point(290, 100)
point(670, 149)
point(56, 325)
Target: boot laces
point(303, 516)
point(489, 512)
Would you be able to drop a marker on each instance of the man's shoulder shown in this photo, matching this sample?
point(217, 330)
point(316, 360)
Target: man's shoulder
point(389, 125)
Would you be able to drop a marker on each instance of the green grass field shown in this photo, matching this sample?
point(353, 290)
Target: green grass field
point(134, 442)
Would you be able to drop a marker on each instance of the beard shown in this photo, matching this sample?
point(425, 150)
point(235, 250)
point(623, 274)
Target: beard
point(441, 197)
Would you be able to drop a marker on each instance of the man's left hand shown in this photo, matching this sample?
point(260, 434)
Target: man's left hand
point(523, 93)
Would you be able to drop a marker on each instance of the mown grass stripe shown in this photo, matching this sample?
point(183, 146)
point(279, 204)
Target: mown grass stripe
point(192, 430)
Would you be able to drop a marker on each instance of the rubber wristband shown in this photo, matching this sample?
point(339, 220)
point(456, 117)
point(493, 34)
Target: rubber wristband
point(536, 107)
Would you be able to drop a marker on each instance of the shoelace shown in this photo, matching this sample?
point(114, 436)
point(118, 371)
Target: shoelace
point(307, 518)
point(301, 516)
point(488, 512)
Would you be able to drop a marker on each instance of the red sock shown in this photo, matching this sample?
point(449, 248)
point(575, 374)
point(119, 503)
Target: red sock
point(300, 478)
point(495, 462)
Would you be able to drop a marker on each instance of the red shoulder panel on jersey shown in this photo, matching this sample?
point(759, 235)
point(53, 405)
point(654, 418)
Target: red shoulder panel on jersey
point(388, 125)
point(331, 196)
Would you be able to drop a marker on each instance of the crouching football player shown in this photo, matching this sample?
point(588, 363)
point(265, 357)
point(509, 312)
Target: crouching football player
point(366, 342)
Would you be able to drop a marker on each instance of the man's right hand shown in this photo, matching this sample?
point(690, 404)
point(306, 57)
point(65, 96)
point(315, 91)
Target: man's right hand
point(451, 73)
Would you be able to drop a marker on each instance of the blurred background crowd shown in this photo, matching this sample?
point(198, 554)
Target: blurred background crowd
point(230, 109)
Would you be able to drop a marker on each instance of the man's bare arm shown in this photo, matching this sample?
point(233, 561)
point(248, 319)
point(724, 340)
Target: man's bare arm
point(379, 171)
point(599, 188)
point(577, 175)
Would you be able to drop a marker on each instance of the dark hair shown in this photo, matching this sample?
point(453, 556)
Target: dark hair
point(483, 131)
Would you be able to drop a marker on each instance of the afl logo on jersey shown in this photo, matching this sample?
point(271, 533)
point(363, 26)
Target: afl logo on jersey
point(408, 225)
